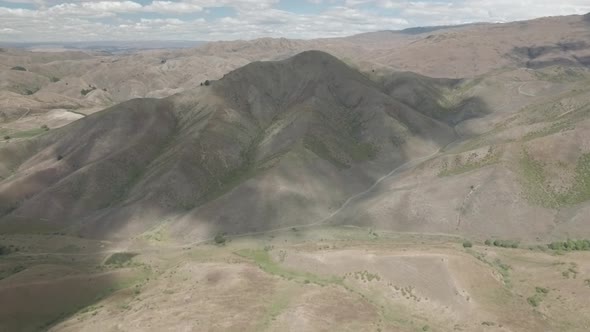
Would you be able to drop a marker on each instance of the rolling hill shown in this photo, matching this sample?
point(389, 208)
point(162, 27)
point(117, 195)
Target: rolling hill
point(272, 144)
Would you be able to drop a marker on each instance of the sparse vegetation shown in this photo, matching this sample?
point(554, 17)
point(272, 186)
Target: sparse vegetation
point(6, 137)
point(265, 262)
point(54, 79)
point(570, 245)
point(538, 297)
point(538, 191)
point(219, 239)
point(4, 250)
point(467, 244)
point(120, 259)
point(84, 92)
point(365, 276)
point(472, 162)
point(502, 243)
point(18, 68)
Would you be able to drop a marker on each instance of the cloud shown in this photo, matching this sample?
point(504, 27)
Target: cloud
point(197, 19)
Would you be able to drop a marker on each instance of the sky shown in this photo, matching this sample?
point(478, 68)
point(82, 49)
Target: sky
point(85, 20)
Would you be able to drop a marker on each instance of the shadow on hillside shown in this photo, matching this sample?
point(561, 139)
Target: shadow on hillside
point(560, 54)
point(433, 96)
point(51, 278)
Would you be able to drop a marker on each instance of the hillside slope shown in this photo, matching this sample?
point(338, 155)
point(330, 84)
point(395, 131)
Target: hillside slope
point(271, 144)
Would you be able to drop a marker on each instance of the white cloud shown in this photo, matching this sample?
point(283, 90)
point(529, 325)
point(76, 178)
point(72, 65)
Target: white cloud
point(104, 19)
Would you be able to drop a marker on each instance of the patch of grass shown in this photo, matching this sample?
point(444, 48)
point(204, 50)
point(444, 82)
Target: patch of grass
point(28, 133)
point(459, 167)
point(363, 152)
point(264, 261)
point(120, 259)
point(321, 150)
point(5, 273)
point(534, 182)
point(70, 248)
point(580, 191)
point(537, 190)
point(538, 297)
point(554, 128)
point(18, 68)
point(559, 74)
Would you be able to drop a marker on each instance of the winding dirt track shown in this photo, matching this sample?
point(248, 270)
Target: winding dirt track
point(398, 169)
point(403, 167)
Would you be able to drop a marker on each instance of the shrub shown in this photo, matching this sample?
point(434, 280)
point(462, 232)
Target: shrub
point(467, 244)
point(54, 79)
point(534, 301)
point(19, 68)
point(45, 127)
point(84, 92)
point(541, 290)
point(570, 245)
point(207, 83)
point(219, 239)
point(6, 137)
point(60, 157)
point(488, 242)
point(120, 258)
point(4, 250)
point(505, 244)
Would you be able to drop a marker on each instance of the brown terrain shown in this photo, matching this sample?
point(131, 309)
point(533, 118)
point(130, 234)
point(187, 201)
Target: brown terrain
point(339, 178)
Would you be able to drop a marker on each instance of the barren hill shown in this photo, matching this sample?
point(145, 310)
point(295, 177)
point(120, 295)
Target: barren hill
point(271, 144)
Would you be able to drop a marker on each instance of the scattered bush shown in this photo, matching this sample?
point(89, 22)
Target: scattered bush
point(120, 258)
point(488, 242)
point(19, 68)
point(45, 127)
point(505, 244)
point(207, 83)
point(54, 79)
point(541, 290)
point(6, 138)
point(59, 157)
point(84, 92)
point(534, 301)
point(467, 244)
point(219, 239)
point(4, 250)
point(571, 245)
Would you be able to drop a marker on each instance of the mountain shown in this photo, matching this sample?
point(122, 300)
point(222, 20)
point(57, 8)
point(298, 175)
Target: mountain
point(271, 144)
